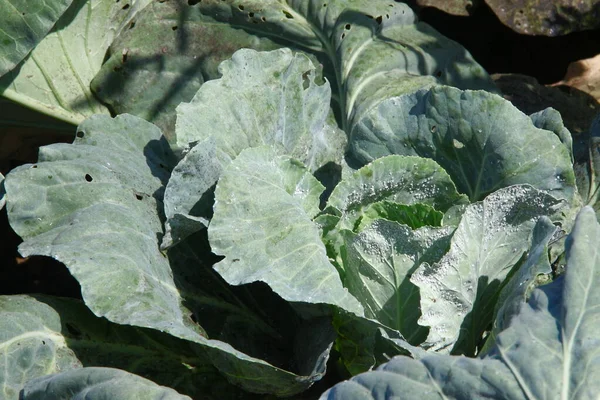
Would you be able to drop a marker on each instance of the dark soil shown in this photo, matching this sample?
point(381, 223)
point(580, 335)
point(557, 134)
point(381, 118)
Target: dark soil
point(500, 50)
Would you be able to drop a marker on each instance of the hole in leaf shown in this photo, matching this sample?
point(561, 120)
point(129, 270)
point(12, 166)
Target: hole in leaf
point(124, 55)
point(193, 2)
point(34, 166)
point(241, 7)
point(88, 177)
point(288, 15)
point(174, 28)
point(324, 4)
point(263, 19)
point(305, 80)
point(379, 19)
point(343, 35)
point(80, 134)
point(43, 342)
point(126, 6)
point(433, 128)
point(139, 196)
point(251, 14)
point(348, 27)
point(131, 25)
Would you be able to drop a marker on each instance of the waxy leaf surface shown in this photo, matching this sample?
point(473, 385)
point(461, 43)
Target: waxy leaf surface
point(55, 78)
point(96, 206)
point(97, 383)
point(24, 24)
point(266, 98)
point(459, 291)
point(547, 351)
point(263, 226)
point(476, 136)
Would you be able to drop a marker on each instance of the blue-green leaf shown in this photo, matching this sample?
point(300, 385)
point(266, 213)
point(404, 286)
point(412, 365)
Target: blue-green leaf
point(547, 351)
point(399, 179)
point(97, 383)
point(458, 293)
point(55, 78)
point(24, 24)
point(264, 205)
point(477, 137)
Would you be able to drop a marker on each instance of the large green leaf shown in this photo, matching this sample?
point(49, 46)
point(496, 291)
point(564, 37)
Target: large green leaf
point(364, 343)
point(55, 78)
point(96, 206)
point(24, 24)
point(262, 98)
point(378, 264)
point(369, 50)
point(395, 180)
point(253, 320)
point(534, 272)
point(476, 136)
point(458, 293)
point(97, 383)
point(414, 216)
point(398, 179)
point(587, 166)
point(376, 49)
point(548, 350)
point(551, 120)
point(163, 57)
point(45, 335)
point(264, 205)
point(95, 203)
point(189, 196)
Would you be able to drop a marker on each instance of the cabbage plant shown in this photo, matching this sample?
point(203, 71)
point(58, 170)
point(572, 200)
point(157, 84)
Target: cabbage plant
point(354, 191)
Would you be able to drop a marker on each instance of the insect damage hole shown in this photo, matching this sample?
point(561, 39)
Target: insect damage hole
point(305, 80)
point(88, 178)
point(287, 15)
point(80, 134)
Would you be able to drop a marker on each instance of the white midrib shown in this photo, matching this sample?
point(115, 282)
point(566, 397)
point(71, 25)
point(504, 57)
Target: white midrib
point(566, 382)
